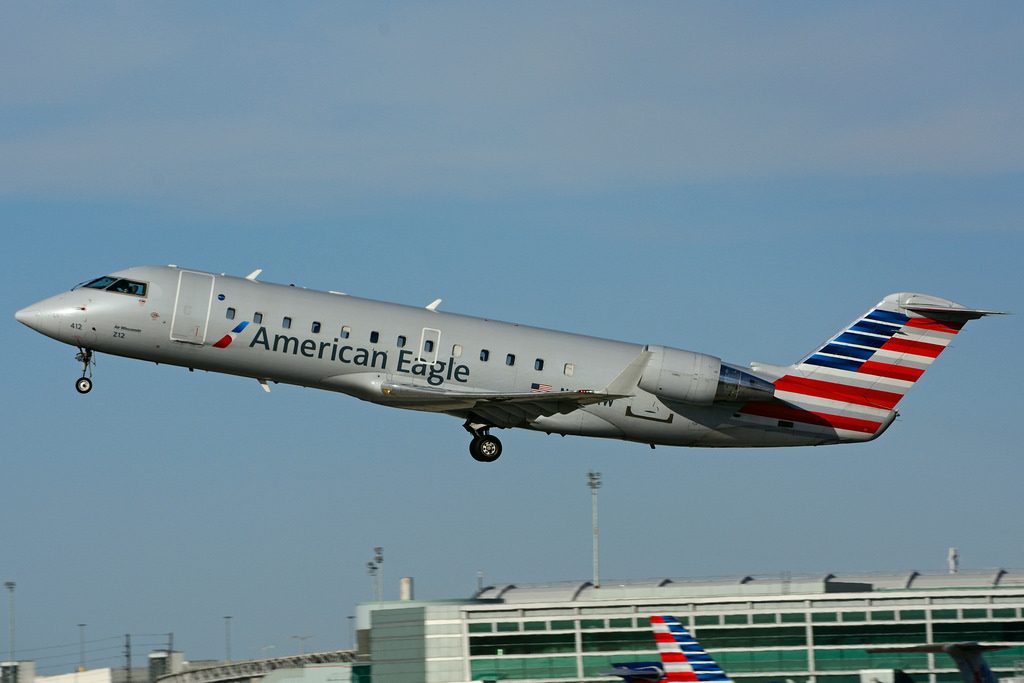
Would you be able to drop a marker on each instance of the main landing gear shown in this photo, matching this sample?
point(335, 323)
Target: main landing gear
point(483, 447)
point(83, 384)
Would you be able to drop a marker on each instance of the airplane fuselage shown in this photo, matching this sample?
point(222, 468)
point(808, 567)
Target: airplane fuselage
point(490, 373)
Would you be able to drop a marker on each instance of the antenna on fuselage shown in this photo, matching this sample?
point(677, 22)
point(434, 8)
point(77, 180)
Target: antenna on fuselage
point(432, 306)
point(254, 274)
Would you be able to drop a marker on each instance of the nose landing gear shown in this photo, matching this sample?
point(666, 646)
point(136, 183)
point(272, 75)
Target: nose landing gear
point(483, 447)
point(83, 384)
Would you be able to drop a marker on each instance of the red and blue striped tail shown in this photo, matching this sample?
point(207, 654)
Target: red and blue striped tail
point(682, 657)
point(848, 388)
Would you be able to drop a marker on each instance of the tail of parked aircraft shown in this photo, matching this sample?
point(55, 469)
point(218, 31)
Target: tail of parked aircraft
point(682, 658)
point(850, 386)
point(969, 658)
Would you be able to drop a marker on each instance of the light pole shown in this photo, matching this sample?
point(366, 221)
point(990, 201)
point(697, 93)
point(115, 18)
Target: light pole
point(81, 647)
point(9, 585)
point(302, 643)
point(594, 482)
point(227, 639)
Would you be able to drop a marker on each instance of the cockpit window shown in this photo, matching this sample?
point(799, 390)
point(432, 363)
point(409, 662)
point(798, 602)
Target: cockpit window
point(99, 283)
point(128, 287)
point(113, 284)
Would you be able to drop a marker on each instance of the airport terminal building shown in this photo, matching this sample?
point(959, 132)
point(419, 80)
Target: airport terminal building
point(759, 629)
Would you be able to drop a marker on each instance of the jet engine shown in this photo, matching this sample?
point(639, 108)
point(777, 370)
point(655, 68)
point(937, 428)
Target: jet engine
point(700, 379)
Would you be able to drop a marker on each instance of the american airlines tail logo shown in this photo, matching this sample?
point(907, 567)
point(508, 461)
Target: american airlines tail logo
point(226, 340)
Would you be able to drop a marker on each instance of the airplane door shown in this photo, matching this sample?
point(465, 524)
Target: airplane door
point(192, 307)
point(430, 342)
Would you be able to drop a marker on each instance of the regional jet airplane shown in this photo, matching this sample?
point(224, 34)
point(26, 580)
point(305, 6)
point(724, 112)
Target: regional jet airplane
point(494, 374)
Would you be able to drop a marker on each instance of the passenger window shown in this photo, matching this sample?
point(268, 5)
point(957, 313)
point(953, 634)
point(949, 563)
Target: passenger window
point(345, 331)
point(257, 317)
point(510, 359)
point(315, 328)
point(428, 346)
point(484, 354)
point(538, 364)
point(286, 323)
point(374, 336)
point(569, 369)
point(401, 341)
point(230, 313)
point(457, 351)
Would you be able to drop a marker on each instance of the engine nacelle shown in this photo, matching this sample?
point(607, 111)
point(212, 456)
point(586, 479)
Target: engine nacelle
point(700, 379)
point(679, 375)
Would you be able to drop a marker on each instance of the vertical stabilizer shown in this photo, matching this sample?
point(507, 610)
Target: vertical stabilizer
point(682, 658)
point(848, 388)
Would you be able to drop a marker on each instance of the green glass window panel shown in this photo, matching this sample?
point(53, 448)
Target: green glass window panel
point(591, 623)
point(975, 614)
point(869, 634)
point(949, 677)
point(724, 638)
point(777, 660)
point(480, 628)
point(855, 660)
point(1005, 659)
point(793, 617)
point(507, 626)
point(706, 619)
point(736, 619)
point(854, 616)
point(886, 615)
point(597, 665)
point(524, 644)
point(764, 618)
point(620, 623)
point(998, 631)
point(535, 626)
point(841, 678)
point(1004, 613)
point(361, 674)
point(513, 669)
point(819, 617)
point(943, 614)
point(911, 614)
point(611, 641)
point(562, 623)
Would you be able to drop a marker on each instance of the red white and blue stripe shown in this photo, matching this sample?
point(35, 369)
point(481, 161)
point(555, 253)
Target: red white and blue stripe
point(850, 386)
point(226, 340)
point(682, 657)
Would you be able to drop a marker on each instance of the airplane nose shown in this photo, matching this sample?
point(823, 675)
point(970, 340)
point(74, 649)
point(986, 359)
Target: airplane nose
point(40, 317)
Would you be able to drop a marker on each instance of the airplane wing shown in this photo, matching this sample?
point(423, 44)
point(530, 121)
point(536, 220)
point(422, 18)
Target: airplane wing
point(498, 409)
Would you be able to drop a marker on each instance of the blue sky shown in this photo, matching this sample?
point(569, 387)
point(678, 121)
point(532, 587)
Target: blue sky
point(739, 179)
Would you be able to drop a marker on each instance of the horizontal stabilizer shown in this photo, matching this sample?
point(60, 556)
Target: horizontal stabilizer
point(959, 314)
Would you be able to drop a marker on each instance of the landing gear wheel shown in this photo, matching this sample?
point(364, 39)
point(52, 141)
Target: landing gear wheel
point(83, 385)
point(485, 448)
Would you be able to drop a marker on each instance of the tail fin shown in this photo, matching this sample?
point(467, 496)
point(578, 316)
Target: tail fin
point(682, 657)
point(969, 658)
point(850, 386)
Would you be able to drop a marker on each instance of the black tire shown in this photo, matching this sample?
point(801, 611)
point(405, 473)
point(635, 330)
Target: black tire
point(83, 385)
point(485, 448)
